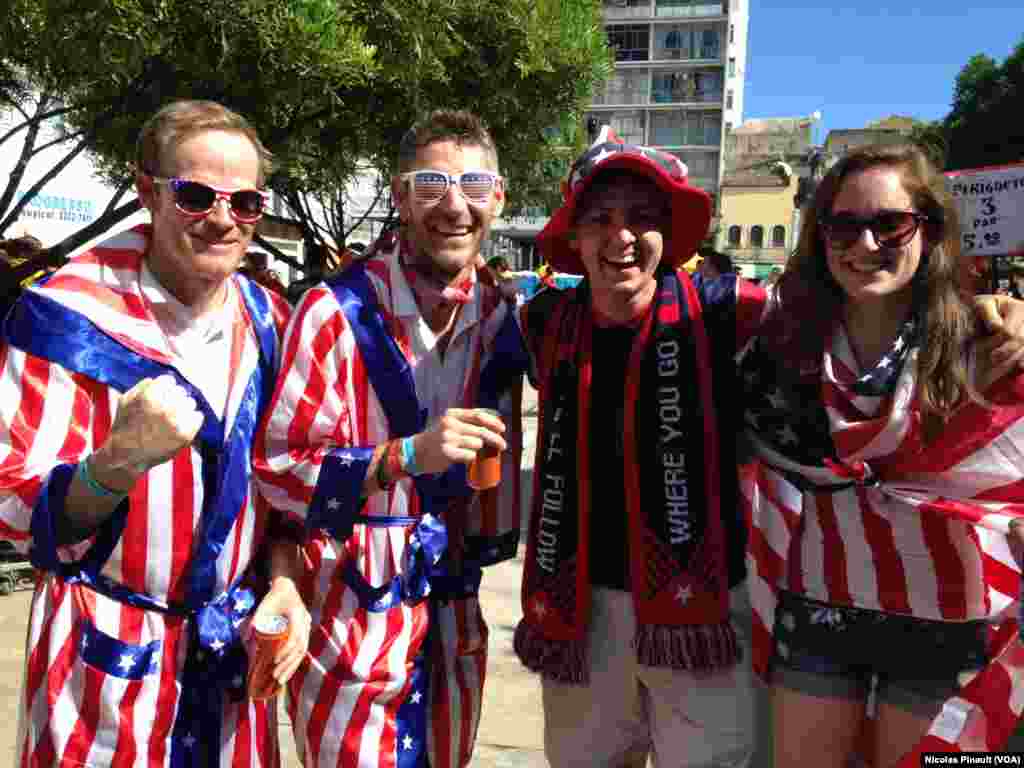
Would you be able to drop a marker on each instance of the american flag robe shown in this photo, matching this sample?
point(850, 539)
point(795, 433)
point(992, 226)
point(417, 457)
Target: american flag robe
point(905, 530)
point(391, 678)
point(133, 632)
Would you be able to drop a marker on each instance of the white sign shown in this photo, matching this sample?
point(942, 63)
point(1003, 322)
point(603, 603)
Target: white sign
point(990, 202)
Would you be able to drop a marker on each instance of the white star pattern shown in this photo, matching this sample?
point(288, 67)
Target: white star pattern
point(333, 505)
point(85, 642)
point(776, 399)
point(189, 741)
point(898, 345)
point(683, 594)
point(385, 599)
point(416, 697)
point(216, 645)
point(885, 362)
point(127, 662)
point(539, 608)
point(751, 419)
point(346, 459)
point(407, 742)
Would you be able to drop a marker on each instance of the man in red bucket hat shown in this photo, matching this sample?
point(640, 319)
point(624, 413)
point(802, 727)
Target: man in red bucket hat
point(634, 566)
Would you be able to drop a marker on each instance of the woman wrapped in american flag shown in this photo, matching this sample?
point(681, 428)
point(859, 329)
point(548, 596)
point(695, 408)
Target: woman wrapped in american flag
point(890, 445)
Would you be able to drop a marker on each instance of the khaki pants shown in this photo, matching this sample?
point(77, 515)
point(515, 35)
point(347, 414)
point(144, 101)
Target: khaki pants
point(682, 720)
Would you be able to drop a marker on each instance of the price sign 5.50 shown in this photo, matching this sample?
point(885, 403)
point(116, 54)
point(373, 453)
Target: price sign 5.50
point(990, 202)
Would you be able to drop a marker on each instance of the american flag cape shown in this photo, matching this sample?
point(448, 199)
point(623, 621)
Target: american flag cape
point(398, 652)
point(886, 496)
point(133, 658)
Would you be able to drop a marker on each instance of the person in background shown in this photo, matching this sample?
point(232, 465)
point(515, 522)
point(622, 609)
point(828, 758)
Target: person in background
point(135, 378)
point(376, 415)
point(890, 458)
point(715, 264)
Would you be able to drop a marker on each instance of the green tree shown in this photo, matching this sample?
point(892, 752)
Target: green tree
point(930, 136)
point(527, 67)
point(984, 125)
point(281, 63)
point(330, 85)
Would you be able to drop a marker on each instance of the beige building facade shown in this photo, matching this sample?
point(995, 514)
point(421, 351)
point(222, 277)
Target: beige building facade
point(758, 218)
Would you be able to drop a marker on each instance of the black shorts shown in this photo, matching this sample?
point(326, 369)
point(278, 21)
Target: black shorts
point(839, 651)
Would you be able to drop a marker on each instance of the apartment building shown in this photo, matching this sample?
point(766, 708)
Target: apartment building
point(678, 81)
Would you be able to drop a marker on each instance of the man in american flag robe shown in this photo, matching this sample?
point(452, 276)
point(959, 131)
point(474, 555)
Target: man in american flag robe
point(392, 355)
point(133, 380)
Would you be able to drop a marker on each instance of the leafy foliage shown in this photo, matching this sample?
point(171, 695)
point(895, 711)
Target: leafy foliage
point(984, 126)
point(328, 84)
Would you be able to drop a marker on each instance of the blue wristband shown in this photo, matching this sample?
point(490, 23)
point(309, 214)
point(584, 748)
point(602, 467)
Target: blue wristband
point(409, 456)
point(94, 485)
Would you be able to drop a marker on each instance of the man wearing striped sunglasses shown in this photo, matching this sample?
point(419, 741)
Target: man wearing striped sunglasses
point(396, 374)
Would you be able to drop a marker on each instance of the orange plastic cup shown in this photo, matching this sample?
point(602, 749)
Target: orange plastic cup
point(269, 634)
point(485, 470)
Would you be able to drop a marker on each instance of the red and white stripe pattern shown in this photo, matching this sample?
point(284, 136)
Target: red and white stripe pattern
point(928, 540)
point(346, 698)
point(72, 712)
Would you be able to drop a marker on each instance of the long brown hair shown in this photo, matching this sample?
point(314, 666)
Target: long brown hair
point(810, 300)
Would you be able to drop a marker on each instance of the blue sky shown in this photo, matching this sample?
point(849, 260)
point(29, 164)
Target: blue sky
point(858, 60)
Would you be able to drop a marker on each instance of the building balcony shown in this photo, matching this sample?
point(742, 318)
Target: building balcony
point(615, 13)
point(666, 97)
point(695, 10)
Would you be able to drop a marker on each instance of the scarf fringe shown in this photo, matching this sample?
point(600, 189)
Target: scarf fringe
point(695, 648)
point(564, 661)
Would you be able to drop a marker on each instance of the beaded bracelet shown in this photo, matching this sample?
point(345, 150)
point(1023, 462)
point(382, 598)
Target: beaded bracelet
point(409, 456)
point(389, 467)
point(94, 485)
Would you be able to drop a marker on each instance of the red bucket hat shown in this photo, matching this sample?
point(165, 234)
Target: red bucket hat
point(691, 207)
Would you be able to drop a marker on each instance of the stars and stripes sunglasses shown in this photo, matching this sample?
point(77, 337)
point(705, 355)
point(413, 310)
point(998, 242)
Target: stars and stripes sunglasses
point(891, 229)
point(430, 186)
point(195, 199)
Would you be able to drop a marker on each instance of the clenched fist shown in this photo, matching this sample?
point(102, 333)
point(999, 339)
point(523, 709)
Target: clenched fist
point(155, 419)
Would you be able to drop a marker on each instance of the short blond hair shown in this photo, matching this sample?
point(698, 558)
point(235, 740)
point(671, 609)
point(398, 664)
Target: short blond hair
point(180, 120)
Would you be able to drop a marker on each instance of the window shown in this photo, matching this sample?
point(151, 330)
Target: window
point(734, 236)
point(709, 44)
point(627, 86)
point(732, 66)
point(668, 129)
point(728, 99)
point(712, 130)
point(778, 236)
point(673, 42)
point(630, 43)
point(757, 236)
point(707, 86)
point(627, 123)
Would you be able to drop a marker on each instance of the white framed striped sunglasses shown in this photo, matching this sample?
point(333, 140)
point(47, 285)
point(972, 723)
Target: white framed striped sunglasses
point(430, 186)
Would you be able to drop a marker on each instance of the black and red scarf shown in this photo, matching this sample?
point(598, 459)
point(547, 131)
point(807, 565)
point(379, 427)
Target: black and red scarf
point(677, 543)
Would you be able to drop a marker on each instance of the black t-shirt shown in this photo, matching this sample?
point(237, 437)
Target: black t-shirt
point(609, 534)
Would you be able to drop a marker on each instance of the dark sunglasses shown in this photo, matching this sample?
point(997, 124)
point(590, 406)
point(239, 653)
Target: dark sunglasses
point(195, 199)
point(891, 229)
